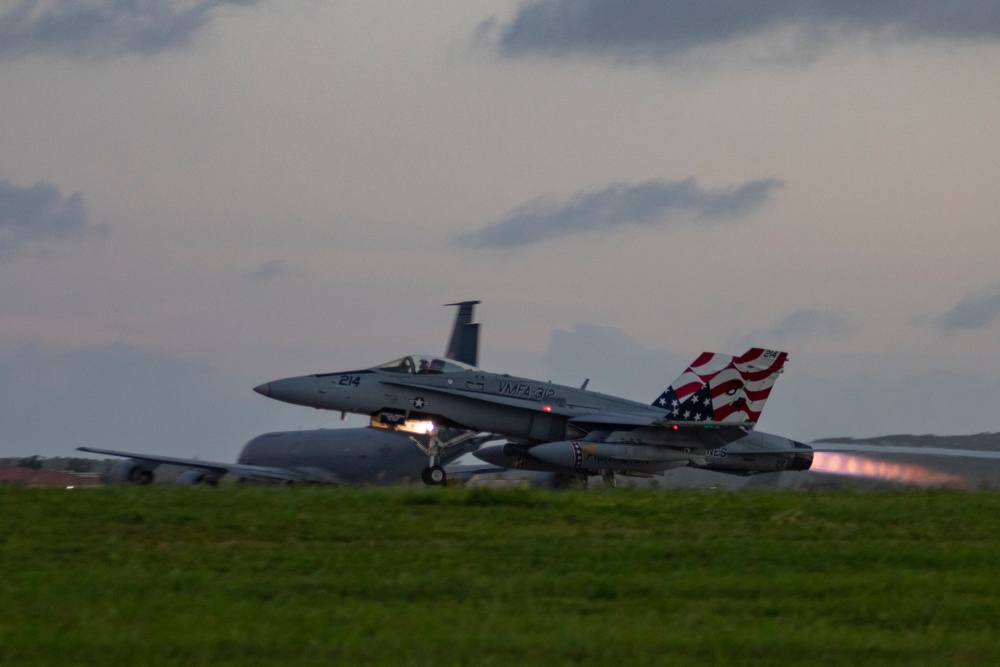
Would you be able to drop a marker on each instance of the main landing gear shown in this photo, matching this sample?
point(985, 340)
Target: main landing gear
point(434, 474)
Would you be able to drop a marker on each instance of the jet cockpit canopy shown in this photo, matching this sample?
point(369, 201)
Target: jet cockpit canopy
point(423, 364)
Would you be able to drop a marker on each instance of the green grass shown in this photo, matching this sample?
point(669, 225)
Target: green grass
point(467, 577)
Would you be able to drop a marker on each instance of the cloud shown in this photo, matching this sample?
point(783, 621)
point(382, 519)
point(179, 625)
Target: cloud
point(38, 213)
point(805, 324)
point(268, 271)
point(660, 30)
point(618, 205)
point(975, 311)
point(102, 28)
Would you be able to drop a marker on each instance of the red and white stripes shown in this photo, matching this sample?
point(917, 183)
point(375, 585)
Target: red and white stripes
point(739, 386)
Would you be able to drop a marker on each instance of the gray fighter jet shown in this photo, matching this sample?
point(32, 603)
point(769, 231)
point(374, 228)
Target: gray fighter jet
point(705, 419)
point(352, 456)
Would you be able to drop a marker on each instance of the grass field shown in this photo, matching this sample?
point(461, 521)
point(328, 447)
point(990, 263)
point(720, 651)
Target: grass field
point(477, 576)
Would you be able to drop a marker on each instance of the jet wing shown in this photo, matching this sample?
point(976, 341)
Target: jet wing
point(627, 419)
point(706, 423)
point(693, 435)
point(238, 469)
point(616, 419)
point(709, 431)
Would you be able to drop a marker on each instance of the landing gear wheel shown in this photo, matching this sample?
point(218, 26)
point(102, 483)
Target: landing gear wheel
point(434, 476)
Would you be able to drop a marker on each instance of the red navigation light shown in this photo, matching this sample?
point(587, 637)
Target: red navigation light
point(676, 427)
point(547, 408)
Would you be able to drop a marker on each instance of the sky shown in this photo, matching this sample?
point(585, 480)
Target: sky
point(198, 196)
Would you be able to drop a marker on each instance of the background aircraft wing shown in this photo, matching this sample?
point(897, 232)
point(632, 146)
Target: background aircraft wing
point(240, 470)
point(465, 472)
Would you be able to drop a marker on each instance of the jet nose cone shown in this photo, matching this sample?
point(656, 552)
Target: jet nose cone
point(296, 390)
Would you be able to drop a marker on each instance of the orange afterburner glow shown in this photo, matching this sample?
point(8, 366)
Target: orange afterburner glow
point(856, 466)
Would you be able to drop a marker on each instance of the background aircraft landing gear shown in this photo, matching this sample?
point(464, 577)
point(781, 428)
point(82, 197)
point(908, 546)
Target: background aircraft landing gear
point(433, 475)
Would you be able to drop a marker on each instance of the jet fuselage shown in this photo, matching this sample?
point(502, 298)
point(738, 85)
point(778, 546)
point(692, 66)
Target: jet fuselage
point(551, 426)
point(469, 398)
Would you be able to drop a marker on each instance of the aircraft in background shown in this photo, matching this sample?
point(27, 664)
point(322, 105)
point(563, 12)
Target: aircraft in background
point(704, 420)
point(363, 455)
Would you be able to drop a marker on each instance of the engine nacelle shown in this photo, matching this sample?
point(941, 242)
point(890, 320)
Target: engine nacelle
point(738, 460)
point(131, 471)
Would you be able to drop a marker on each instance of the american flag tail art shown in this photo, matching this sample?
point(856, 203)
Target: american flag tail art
point(722, 388)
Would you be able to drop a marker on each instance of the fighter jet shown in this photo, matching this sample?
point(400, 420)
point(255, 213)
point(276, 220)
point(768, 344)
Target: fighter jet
point(705, 419)
point(353, 456)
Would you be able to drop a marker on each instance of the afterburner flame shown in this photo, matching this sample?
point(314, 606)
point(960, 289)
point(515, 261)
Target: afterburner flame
point(856, 466)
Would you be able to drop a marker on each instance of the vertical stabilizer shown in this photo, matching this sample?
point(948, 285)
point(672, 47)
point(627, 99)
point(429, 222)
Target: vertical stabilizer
point(718, 387)
point(741, 389)
point(464, 343)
